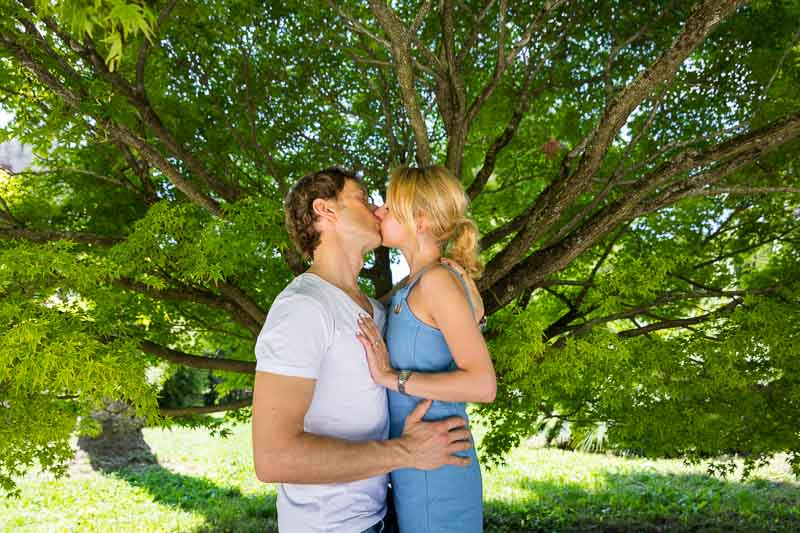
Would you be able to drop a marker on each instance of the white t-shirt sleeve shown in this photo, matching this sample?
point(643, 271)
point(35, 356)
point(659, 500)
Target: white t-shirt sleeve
point(297, 333)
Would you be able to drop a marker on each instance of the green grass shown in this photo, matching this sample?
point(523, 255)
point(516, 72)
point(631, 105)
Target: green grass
point(207, 484)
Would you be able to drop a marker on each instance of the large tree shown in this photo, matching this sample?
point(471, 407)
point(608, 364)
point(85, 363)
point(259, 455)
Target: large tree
point(632, 166)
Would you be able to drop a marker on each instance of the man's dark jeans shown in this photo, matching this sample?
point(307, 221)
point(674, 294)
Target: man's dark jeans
point(389, 522)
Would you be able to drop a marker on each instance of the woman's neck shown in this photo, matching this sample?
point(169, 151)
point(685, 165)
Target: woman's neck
point(419, 258)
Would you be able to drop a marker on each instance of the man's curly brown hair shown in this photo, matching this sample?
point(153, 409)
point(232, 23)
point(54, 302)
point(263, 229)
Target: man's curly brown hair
point(298, 209)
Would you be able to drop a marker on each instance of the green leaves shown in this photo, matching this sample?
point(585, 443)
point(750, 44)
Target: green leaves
point(113, 21)
point(197, 248)
point(654, 334)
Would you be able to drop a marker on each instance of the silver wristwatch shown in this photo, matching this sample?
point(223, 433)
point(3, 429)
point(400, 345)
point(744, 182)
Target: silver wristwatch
point(402, 378)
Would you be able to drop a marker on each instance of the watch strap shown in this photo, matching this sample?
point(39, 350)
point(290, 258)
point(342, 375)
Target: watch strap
point(402, 378)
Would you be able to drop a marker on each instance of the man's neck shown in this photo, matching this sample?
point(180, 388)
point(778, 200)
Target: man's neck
point(338, 266)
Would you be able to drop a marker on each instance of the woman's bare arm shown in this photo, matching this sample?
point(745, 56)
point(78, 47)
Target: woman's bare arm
point(474, 380)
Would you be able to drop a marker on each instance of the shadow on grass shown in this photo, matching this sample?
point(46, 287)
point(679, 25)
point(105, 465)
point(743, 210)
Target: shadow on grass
point(648, 502)
point(225, 508)
point(641, 501)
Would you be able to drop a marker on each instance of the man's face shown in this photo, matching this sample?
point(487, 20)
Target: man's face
point(356, 216)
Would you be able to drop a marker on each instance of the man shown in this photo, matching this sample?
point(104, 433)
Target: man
point(320, 422)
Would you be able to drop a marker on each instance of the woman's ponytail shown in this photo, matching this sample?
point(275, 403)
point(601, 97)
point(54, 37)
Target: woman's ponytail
point(463, 247)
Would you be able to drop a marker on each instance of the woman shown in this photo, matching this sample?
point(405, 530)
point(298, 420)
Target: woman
point(435, 347)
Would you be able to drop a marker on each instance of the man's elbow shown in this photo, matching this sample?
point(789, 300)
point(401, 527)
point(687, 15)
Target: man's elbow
point(265, 472)
point(268, 467)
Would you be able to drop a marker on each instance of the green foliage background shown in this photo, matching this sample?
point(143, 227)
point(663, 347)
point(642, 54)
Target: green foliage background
point(97, 240)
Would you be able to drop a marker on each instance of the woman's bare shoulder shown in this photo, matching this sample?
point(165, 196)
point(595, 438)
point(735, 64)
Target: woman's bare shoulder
point(444, 276)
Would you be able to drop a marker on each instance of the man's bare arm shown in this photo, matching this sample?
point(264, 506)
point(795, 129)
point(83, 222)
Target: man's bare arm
point(284, 452)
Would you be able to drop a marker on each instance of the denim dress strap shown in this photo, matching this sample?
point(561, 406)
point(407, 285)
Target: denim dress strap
point(463, 284)
point(417, 277)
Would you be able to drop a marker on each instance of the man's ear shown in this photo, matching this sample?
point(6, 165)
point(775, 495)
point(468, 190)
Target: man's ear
point(324, 209)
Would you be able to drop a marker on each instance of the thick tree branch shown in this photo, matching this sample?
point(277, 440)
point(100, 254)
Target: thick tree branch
point(189, 411)
point(561, 193)
point(451, 94)
point(196, 361)
point(399, 38)
point(116, 131)
point(735, 152)
point(139, 100)
point(244, 302)
point(198, 296)
point(423, 12)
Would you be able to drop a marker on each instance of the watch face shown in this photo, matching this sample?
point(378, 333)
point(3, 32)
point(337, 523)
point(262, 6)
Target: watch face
point(402, 377)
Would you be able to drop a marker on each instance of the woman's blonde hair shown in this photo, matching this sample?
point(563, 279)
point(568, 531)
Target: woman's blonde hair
point(435, 193)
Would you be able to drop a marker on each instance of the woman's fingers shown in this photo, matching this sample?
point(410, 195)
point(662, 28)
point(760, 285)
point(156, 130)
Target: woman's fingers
point(367, 324)
point(367, 333)
point(369, 329)
point(365, 342)
point(369, 353)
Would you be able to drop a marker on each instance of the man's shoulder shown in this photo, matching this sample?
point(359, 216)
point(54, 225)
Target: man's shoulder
point(304, 292)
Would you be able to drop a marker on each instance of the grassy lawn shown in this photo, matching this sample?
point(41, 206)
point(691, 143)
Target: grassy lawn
point(206, 484)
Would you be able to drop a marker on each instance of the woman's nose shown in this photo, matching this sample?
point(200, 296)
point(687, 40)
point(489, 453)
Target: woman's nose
point(380, 212)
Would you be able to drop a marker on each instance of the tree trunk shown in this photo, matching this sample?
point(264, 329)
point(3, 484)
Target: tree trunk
point(120, 444)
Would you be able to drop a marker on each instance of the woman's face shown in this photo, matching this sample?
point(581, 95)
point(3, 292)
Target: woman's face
point(393, 233)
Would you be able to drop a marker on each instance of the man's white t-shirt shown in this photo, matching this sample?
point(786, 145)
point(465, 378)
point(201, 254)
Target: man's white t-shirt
point(310, 332)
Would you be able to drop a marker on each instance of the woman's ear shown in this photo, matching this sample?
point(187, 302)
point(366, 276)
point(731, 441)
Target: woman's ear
point(421, 223)
point(323, 209)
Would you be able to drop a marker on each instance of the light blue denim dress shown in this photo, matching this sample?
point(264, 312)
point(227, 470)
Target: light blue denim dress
point(449, 498)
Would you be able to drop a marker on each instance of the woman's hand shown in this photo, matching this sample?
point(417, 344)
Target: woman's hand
point(377, 355)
